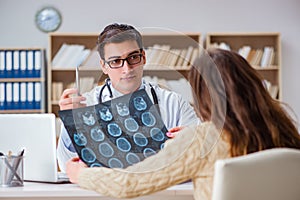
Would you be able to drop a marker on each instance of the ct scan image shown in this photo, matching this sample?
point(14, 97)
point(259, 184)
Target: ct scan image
point(117, 133)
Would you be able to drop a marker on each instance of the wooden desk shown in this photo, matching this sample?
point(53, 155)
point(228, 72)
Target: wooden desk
point(47, 191)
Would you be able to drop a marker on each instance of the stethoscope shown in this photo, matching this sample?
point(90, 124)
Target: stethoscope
point(153, 93)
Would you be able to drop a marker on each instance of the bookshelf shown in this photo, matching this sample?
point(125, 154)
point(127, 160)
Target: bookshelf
point(22, 80)
point(169, 55)
point(90, 67)
point(61, 77)
point(261, 49)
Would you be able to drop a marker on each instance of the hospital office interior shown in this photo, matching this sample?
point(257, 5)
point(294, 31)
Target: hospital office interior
point(19, 29)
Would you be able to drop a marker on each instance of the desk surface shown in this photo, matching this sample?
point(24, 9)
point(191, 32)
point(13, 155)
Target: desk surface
point(32, 190)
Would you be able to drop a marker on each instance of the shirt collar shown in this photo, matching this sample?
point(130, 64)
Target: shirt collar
point(118, 94)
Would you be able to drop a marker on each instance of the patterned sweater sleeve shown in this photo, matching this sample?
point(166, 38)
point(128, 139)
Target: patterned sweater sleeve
point(179, 161)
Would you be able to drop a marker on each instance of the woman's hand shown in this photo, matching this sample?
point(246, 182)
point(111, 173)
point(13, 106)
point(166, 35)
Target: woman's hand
point(73, 168)
point(70, 99)
point(174, 131)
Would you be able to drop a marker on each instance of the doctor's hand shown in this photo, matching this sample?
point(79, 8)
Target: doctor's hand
point(70, 99)
point(73, 168)
point(174, 131)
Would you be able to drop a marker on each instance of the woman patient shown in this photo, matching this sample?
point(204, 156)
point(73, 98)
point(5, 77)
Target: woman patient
point(239, 115)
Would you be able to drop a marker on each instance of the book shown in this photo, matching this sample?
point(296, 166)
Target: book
point(76, 56)
point(92, 59)
point(84, 54)
point(174, 55)
point(181, 58)
point(251, 56)
point(224, 46)
point(273, 91)
point(157, 56)
point(57, 90)
point(244, 51)
point(188, 56)
point(266, 57)
point(153, 60)
point(69, 53)
point(195, 55)
point(148, 53)
point(58, 56)
point(257, 58)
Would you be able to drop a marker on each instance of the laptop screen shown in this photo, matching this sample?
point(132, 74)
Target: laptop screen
point(36, 134)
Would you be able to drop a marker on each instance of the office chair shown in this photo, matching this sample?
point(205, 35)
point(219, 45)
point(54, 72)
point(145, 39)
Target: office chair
point(272, 174)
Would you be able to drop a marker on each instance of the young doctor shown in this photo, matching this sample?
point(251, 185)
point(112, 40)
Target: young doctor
point(122, 58)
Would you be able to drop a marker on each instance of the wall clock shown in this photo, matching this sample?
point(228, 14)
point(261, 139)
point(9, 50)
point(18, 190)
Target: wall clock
point(48, 19)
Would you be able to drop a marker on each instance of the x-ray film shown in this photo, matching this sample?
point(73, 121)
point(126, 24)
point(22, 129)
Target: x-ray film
point(116, 133)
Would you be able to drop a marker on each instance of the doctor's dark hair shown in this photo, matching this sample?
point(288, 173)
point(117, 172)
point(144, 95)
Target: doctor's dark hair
point(117, 33)
point(254, 121)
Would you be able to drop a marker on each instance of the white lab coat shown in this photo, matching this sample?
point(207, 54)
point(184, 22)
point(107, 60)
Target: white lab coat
point(175, 111)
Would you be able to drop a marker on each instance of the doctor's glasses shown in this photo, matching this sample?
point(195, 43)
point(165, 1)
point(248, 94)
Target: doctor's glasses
point(132, 59)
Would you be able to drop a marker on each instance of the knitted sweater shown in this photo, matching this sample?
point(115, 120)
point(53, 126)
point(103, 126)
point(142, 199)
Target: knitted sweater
point(191, 155)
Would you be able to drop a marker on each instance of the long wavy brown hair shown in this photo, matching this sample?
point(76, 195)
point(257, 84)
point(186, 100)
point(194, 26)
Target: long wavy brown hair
point(230, 93)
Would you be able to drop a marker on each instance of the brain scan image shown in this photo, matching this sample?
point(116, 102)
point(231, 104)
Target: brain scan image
point(148, 152)
point(122, 109)
point(116, 133)
point(106, 150)
point(114, 129)
point(123, 144)
point(97, 134)
point(157, 134)
point(88, 118)
point(115, 163)
point(105, 114)
point(95, 164)
point(88, 155)
point(132, 158)
point(131, 125)
point(148, 119)
point(139, 103)
point(140, 140)
point(80, 139)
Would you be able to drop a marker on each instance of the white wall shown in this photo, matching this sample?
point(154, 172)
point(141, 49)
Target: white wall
point(17, 28)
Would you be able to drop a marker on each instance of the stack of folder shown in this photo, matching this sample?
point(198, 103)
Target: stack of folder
point(21, 79)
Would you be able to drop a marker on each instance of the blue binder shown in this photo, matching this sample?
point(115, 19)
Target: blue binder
point(37, 95)
point(30, 63)
point(9, 96)
point(16, 64)
point(16, 96)
point(30, 93)
point(2, 96)
point(9, 64)
point(37, 63)
point(2, 64)
point(23, 64)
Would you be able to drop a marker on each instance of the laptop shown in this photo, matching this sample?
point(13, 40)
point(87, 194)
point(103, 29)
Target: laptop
point(35, 133)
